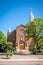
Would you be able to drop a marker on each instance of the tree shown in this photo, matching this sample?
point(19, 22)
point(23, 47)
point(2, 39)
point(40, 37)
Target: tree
point(34, 29)
point(3, 41)
point(5, 46)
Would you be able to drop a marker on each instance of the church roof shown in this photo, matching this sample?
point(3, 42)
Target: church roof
point(21, 25)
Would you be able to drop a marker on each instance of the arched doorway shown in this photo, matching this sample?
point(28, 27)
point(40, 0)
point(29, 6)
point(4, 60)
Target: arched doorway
point(22, 44)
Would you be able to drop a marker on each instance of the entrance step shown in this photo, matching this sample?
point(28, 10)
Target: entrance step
point(22, 52)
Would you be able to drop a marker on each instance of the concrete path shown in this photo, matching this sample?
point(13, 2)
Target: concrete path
point(29, 62)
point(22, 60)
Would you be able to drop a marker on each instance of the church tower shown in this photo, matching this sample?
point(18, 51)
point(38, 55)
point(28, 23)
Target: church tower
point(31, 15)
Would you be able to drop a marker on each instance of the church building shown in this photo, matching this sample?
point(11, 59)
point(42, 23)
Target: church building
point(18, 36)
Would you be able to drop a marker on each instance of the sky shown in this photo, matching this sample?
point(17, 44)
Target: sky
point(16, 12)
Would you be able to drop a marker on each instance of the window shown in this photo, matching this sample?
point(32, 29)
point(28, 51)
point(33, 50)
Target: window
point(22, 32)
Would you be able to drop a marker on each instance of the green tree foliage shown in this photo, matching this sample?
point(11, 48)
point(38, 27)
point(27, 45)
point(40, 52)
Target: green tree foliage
point(34, 29)
point(9, 50)
point(3, 41)
point(4, 45)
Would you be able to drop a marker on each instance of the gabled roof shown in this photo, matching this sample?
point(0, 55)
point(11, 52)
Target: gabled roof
point(20, 26)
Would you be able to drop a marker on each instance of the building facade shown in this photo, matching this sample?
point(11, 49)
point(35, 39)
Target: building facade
point(18, 38)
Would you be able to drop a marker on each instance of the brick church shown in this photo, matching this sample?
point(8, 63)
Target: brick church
point(18, 37)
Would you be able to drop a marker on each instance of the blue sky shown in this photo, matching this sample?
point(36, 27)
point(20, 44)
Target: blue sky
point(16, 12)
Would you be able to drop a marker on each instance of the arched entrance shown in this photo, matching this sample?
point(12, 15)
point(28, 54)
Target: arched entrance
point(22, 44)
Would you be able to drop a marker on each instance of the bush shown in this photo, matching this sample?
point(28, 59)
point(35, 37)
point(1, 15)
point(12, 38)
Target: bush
point(9, 53)
point(9, 50)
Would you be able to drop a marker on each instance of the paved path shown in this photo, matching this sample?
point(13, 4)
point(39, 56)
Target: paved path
point(22, 60)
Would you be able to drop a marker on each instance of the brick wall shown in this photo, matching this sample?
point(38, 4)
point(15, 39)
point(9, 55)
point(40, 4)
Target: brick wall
point(15, 37)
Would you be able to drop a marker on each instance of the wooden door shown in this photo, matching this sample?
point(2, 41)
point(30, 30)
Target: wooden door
point(22, 45)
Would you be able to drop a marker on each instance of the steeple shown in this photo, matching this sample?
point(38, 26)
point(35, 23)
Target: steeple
point(9, 31)
point(31, 15)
